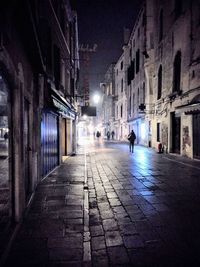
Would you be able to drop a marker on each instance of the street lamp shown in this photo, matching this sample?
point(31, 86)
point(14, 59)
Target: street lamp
point(96, 98)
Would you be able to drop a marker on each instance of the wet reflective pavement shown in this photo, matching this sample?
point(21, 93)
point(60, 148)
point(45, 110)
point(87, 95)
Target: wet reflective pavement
point(114, 208)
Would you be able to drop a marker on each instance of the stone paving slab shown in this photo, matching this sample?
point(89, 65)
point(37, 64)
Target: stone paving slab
point(144, 206)
point(141, 213)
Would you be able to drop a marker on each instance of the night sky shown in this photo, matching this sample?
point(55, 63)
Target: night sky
point(102, 22)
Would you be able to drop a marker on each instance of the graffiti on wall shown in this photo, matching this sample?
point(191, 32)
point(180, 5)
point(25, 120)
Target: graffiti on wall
point(186, 139)
point(164, 135)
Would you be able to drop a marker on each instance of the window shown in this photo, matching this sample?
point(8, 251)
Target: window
point(177, 72)
point(134, 43)
point(131, 72)
point(177, 8)
point(129, 75)
point(72, 87)
point(161, 25)
point(63, 72)
point(138, 96)
point(137, 60)
point(122, 85)
point(133, 69)
point(144, 95)
point(159, 82)
point(158, 132)
point(57, 66)
point(130, 103)
point(121, 111)
point(122, 63)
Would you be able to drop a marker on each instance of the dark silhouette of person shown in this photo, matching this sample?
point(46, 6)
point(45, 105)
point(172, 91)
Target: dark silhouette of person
point(6, 136)
point(112, 134)
point(131, 138)
point(108, 135)
point(98, 134)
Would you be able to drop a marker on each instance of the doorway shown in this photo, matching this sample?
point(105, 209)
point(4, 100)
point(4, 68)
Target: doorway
point(49, 142)
point(27, 150)
point(175, 131)
point(196, 134)
point(63, 138)
point(5, 157)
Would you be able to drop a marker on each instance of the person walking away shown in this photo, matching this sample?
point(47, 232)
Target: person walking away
point(6, 136)
point(112, 134)
point(108, 135)
point(131, 138)
point(98, 134)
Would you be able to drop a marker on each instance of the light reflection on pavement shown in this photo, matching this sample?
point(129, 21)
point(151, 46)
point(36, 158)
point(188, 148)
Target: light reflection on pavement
point(143, 210)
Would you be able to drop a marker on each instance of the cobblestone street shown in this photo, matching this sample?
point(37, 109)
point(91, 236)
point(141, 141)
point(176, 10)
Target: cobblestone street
point(109, 207)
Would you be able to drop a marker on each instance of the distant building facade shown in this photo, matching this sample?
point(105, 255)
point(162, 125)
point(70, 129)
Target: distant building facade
point(157, 80)
point(121, 127)
point(136, 83)
point(176, 79)
point(108, 107)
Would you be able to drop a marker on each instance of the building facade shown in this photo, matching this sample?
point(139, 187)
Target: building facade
point(58, 126)
point(38, 81)
point(176, 79)
point(108, 107)
point(136, 81)
point(157, 78)
point(121, 126)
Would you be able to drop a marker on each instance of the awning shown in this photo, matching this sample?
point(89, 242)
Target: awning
point(59, 104)
point(64, 110)
point(190, 108)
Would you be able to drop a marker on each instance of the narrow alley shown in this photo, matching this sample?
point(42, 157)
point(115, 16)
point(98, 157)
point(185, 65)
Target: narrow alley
point(81, 83)
point(109, 207)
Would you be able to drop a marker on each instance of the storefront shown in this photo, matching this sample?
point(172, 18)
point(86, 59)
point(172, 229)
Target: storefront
point(190, 128)
point(49, 142)
point(57, 132)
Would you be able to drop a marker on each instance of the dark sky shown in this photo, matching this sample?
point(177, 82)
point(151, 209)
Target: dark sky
point(102, 22)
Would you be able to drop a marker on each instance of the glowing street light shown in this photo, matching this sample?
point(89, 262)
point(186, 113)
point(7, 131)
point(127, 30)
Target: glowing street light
point(96, 98)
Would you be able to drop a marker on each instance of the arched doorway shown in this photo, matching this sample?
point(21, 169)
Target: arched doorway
point(5, 157)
